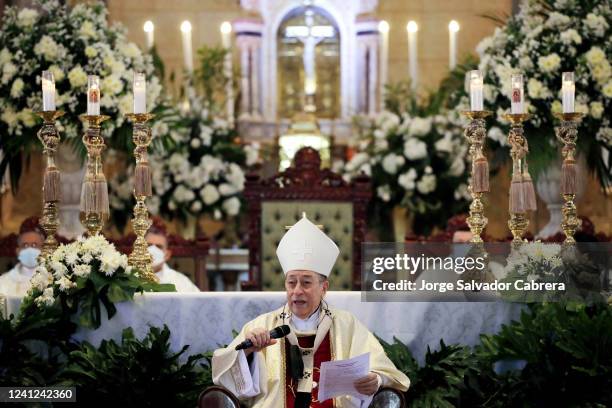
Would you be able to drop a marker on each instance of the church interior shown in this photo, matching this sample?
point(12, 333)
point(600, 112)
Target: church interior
point(167, 167)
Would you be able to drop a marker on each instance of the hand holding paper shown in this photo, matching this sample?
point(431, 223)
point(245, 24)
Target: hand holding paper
point(338, 377)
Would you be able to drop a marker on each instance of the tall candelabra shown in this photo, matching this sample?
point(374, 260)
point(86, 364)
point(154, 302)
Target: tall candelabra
point(522, 194)
point(94, 194)
point(475, 133)
point(50, 139)
point(140, 257)
point(567, 133)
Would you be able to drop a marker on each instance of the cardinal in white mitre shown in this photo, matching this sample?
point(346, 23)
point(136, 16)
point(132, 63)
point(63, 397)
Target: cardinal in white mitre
point(285, 372)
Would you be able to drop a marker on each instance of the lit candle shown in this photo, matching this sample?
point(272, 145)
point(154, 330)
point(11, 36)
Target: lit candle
point(149, 29)
point(48, 91)
point(412, 29)
point(187, 52)
point(568, 91)
point(140, 98)
point(453, 28)
point(517, 96)
point(383, 28)
point(93, 95)
point(476, 90)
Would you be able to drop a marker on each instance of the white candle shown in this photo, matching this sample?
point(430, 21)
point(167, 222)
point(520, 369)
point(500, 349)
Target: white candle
point(93, 95)
point(149, 30)
point(517, 95)
point(476, 90)
point(226, 40)
point(568, 91)
point(140, 94)
point(453, 28)
point(412, 29)
point(187, 52)
point(383, 28)
point(48, 91)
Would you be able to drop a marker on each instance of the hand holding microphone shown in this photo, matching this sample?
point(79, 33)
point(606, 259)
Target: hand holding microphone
point(260, 338)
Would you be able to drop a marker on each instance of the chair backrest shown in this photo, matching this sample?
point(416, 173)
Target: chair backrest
point(326, 198)
point(217, 397)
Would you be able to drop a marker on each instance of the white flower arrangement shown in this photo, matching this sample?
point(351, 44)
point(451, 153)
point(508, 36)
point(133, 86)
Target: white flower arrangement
point(416, 160)
point(202, 173)
point(70, 265)
point(541, 44)
point(71, 43)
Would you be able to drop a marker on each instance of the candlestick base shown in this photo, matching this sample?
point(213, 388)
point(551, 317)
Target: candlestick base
point(476, 220)
point(140, 257)
point(518, 225)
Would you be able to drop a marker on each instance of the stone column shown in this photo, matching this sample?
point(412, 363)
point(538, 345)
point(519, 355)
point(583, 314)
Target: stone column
point(248, 41)
point(367, 63)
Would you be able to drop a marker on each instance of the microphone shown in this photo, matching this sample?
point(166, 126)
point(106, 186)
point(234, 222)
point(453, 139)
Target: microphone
point(276, 333)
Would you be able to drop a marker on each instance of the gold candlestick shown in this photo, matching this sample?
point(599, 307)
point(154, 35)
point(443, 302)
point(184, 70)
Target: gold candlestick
point(476, 133)
point(518, 222)
point(50, 139)
point(140, 257)
point(567, 133)
point(94, 195)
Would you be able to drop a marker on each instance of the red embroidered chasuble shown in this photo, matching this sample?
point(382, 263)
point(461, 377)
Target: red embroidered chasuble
point(322, 354)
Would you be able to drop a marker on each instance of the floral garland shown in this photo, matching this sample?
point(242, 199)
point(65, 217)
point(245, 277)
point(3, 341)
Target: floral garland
point(71, 43)
point(546, 38)
point(416, 160)
point(81, 275)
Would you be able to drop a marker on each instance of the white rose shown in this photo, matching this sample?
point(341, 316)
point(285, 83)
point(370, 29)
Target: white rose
point(457, 167)
point(217, 214)
point(90, 51)
point(252, 153)
point(5, 56)
point(195, 143)
point(231, 206)
point(415, 149)
point(10, 117)
point(601, 72)
point(17, 88)
point(596, 24)
point(47, 47)
point(419, 126)
point(196, 206)
point(8, 70)
point(550, 62)
point(58, 73)
point(27, 17)
point(571, 36)
point(407, 180)
point(595, 56)
point(596, 110)
point(87, 30)
point(210, 194)
point(227, 189)
point(557, 20)
point(111, 85)
point(607, 90)
point(444, 145)
point(426, 184)
point(77, 77)
point(384, 192)
point(537, 90)
point(392, 162)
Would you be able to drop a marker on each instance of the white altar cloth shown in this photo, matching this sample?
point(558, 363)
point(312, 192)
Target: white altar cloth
point(205, 320)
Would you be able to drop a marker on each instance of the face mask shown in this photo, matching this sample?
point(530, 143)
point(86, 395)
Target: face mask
point(158, 255)
point(29, 257)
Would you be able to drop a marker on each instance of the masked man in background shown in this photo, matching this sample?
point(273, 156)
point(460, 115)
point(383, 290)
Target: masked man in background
point(29, 243)
point(157, 238)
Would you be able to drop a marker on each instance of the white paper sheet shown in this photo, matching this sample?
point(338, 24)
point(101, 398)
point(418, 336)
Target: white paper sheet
point(338, 377)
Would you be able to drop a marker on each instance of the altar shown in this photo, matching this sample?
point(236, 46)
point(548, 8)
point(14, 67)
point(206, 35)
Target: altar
point(205, 321)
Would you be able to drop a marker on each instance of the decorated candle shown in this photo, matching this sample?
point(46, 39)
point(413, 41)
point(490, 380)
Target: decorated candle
point(48, 91)
point(93, 95)
point(517, 96)
point(568, 91)
point(476, 90)
point(140, 98)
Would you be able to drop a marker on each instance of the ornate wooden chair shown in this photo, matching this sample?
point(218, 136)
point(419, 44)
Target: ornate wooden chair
point(326, 198)
point(219, 397)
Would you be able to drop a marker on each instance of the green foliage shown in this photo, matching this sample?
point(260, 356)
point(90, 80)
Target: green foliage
point(210, 75)
point(144, 373)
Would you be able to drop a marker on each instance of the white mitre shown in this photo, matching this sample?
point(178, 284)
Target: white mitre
point(306, 247)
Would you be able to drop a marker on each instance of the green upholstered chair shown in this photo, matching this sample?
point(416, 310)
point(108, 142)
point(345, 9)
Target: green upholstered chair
point(328, 200)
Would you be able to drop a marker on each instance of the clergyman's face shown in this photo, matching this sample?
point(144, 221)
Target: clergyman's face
point(161, 242)
point(305, 290)
point(30, 240)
